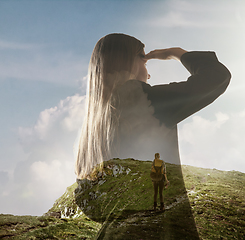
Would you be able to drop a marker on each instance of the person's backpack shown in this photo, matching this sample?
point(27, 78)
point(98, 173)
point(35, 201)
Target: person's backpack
point(157, 176)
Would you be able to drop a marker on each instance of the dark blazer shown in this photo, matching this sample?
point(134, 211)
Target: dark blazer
point(147, 124)
point(148, 115)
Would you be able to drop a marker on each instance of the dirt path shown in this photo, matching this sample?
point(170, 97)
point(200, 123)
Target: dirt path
point(147, 225)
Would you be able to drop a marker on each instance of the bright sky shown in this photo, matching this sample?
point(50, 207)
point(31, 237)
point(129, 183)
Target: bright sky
point(45, 47)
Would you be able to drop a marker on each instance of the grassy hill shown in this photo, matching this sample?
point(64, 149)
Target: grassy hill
point(123, 198)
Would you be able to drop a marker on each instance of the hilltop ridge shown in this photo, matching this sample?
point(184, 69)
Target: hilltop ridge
point(216, 199)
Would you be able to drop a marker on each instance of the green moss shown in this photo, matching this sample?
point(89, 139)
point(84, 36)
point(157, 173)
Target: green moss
point(31, 227)
point(216, 199)
point(217, 202)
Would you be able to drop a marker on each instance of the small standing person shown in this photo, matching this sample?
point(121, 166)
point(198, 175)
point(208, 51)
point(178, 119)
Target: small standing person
point(158, 176)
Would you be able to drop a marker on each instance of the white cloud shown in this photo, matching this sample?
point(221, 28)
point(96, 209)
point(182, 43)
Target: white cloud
point(43, 171)
point(214, 144)
point(64, 118)
point(50, 178)
point(173, 19)
point(197, 14)
point(49, 167)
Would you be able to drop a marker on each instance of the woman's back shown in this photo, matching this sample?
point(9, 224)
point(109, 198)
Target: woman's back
point(143, 119)
point(140, 134)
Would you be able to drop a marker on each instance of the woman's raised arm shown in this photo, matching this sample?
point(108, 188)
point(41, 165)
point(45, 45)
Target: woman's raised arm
point(176, 101)
point(166, 54)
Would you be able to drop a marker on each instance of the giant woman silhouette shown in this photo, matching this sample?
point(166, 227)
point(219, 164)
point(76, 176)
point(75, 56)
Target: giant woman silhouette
point(128, 118)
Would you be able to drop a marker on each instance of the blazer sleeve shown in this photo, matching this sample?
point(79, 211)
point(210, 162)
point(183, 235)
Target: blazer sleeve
point(176, 101)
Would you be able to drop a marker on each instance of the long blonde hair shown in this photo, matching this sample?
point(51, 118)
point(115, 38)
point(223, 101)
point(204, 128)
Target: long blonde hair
point(110, 66)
